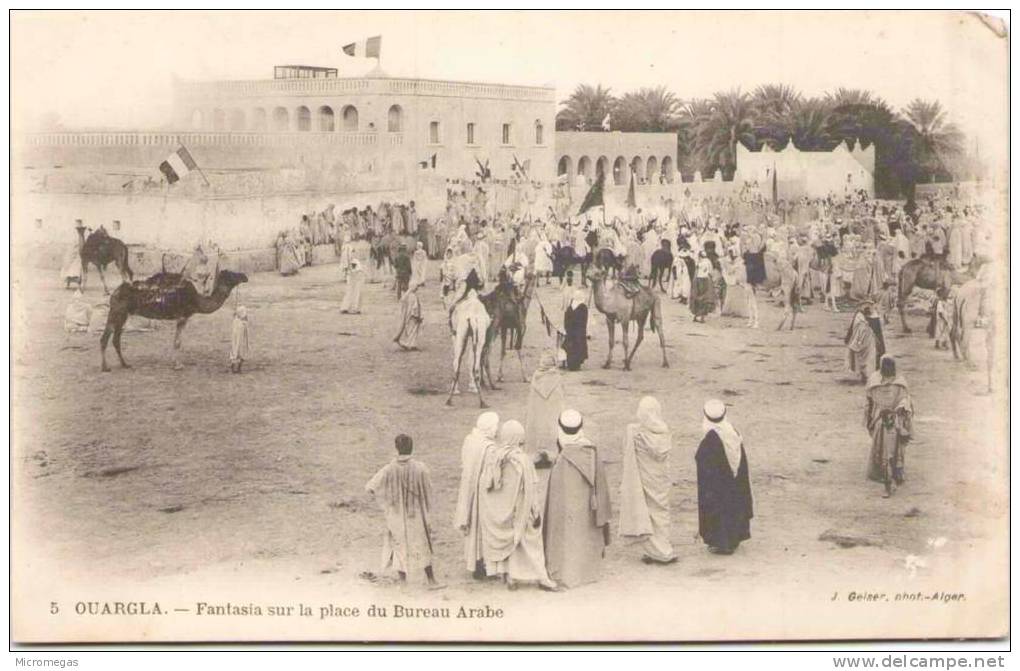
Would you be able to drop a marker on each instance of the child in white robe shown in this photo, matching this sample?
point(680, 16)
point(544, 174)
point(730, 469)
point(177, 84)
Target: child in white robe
point(239, 347)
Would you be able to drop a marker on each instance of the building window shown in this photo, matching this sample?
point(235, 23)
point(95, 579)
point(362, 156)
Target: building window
point(539, 134)
point(393, 122)
point(470, 133)
point(506, 133)
point(434, 132)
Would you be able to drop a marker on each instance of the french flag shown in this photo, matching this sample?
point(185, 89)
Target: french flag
point(177, 165)
point(369, 48)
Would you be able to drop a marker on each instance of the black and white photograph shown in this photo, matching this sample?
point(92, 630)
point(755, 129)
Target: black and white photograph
point(508, 326)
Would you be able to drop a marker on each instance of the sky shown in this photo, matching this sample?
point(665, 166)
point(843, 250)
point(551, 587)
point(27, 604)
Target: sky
point(116, 69)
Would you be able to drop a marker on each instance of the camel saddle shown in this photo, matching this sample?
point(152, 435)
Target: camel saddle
point(630, 283)
point(631, 287)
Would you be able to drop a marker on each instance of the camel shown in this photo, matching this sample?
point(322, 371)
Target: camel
point(929, 273)
point(617, 306)
point(100, 250)
point(469, 320)
point(509, 314)
point(163, 296)
point(971, 306)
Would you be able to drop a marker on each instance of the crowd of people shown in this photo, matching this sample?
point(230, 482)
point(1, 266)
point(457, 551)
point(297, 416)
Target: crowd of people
point(534, 505)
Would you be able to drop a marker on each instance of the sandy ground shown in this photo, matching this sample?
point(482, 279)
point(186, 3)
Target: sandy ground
point(159, 479)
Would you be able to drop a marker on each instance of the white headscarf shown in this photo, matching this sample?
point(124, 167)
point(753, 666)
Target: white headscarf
point(487, 425)
point(714, 419)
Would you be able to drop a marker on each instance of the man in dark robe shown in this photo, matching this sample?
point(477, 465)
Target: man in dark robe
point(575, 323)
point(875, 322)
point(402, 268)
point(725, 507)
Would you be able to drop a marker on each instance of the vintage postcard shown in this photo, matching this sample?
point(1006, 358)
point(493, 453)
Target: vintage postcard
point(508, 326)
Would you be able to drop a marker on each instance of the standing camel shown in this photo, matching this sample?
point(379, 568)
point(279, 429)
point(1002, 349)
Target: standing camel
point(617, 306)
point(469, 321)
point(100, 250)
point(163, 296)
point(929, 273)
point(509, 314)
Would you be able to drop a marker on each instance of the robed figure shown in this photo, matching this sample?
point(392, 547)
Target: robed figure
point(404, 492)
point(888, 416)
point(577, 508)
point(466, 517)
point(725, 508)
point(575, 323)
point(511, 512)
point(644, 489)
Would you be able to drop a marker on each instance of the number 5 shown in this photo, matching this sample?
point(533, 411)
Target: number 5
point(54, 608)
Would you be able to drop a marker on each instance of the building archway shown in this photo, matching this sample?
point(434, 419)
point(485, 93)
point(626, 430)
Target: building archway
point(197, 119)
point(638, 166)
point(620, 171)
point(565, 167)
point(652, 169)
point(304, 119)
point(584, 166)
point(350, 115)
point(281, 119)
point(237, 122)
point(601, 166)
point(219, 119)
point(667, 169)
point(258, 119)
point(326, 123)
point(395, 119)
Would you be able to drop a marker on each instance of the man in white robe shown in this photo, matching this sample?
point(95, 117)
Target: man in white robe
point(511, 513)
point(644, 490)
point(466, 518)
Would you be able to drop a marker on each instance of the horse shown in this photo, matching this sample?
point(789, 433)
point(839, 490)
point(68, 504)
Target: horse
point(609, 260)
point(662, 266)
point(564, 259)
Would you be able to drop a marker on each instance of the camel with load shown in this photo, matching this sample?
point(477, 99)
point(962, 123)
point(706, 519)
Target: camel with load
point(164, 296)
point(619, 305)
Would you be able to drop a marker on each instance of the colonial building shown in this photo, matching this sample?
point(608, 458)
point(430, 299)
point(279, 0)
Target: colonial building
point(399, 125)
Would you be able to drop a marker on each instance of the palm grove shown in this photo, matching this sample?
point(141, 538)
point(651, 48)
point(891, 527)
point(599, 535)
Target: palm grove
point(916, 145)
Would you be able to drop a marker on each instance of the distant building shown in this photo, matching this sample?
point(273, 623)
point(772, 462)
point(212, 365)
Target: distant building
point(814, 174)
point(580, 156)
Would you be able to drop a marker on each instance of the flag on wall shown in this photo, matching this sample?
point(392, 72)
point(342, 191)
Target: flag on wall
point(428, 163)
point(177, 165)
point(605, 123)
point(520, 170)
point(483, 173)
point(368, 48)
point(631, 196)
point(594, 197)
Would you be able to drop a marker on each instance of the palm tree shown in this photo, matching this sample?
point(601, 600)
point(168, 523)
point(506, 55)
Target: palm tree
point(940, 142)
point(773, 104)
point(807, 125)
point(647, 110)
point(690, 115)
point(844, 96)
point(731, 120)
point(585, 109)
